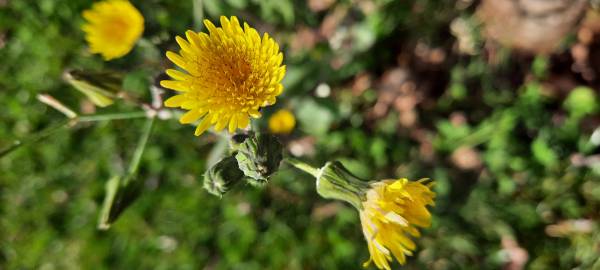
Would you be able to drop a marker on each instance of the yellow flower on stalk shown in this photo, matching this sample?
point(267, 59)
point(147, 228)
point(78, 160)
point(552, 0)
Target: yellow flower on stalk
point(390, 210)
point(230, 74)
point(112, 28)
point(390, 215)
point(282, 122)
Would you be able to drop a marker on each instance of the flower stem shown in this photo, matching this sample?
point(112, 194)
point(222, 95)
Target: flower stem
point(33, 138)
point(301, 165)
point(111, 116)
point(198, 14)
point(38, 136)
point(139, 150)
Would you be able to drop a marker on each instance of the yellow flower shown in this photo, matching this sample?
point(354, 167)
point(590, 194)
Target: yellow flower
point(390, 210)
point(231, 73)
point(390, 215)
point(282, 122)
point(113, 27)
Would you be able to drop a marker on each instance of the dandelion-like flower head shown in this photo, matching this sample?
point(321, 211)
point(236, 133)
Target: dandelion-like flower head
point(230, 74)
point(112, 28)
point(390, 215)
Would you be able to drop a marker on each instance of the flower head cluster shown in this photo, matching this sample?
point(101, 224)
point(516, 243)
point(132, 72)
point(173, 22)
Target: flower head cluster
point(230, 74)
point(390, 215)
point(112, 28)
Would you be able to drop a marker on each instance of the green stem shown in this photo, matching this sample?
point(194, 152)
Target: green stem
point(139, 150)
point(111, 116)
point(38, 136)
point(301, 165)
point(198, 13)
point(123, 191)
point(33, 138)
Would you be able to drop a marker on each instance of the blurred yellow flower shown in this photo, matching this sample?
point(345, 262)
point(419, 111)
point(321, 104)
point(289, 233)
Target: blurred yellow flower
point(230, 74)
point(391, 213)
point(112, 28)
point(282, 122)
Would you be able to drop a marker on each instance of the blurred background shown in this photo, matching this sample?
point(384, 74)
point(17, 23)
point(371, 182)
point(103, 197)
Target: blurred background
point(496, 100)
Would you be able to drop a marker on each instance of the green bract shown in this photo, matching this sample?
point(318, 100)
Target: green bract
point(259, 156)
point(222, 176)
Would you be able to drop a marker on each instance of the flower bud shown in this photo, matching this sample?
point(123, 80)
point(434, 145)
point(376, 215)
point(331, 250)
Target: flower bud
point(100, 87)
point(222, 176)
point(258, 156)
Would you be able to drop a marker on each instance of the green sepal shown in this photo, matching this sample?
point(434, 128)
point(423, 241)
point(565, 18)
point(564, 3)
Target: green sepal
point(334, 181)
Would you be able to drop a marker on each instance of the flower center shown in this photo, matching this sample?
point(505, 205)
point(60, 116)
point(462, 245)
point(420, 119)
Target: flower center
point(228, 78)
point(115, 29)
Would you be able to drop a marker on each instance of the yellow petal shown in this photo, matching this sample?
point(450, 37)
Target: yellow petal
point(190, 116)
point(221, 123)
point(175, 85)
point(203, 126)
point(243, 121)
point(183, 44)
point(210, 26)
point(254, 113)
point(225, 24)
point(177, 59)
point(178, 75)
point(232, 124)
point(193, 38)
point(175, 101)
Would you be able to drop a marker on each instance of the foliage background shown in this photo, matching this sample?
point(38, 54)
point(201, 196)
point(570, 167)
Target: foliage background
point(380, 85)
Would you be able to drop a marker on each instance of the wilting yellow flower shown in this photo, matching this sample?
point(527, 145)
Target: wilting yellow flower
point(391, 213)
point(230, 74)
point(113, 27)
point(282, 122)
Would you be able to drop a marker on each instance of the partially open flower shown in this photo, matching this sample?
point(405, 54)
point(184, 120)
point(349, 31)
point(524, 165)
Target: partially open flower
point(390, 216)
point(390, 210)
point(112, 28)
point(231, 73)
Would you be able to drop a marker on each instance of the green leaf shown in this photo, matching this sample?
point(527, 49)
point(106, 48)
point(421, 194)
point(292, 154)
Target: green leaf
point(539, 67)
point(120, 194)
point(543, 153)
point(111, 190)
point(581, 101)
point(122, 191)
point(314, 118)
